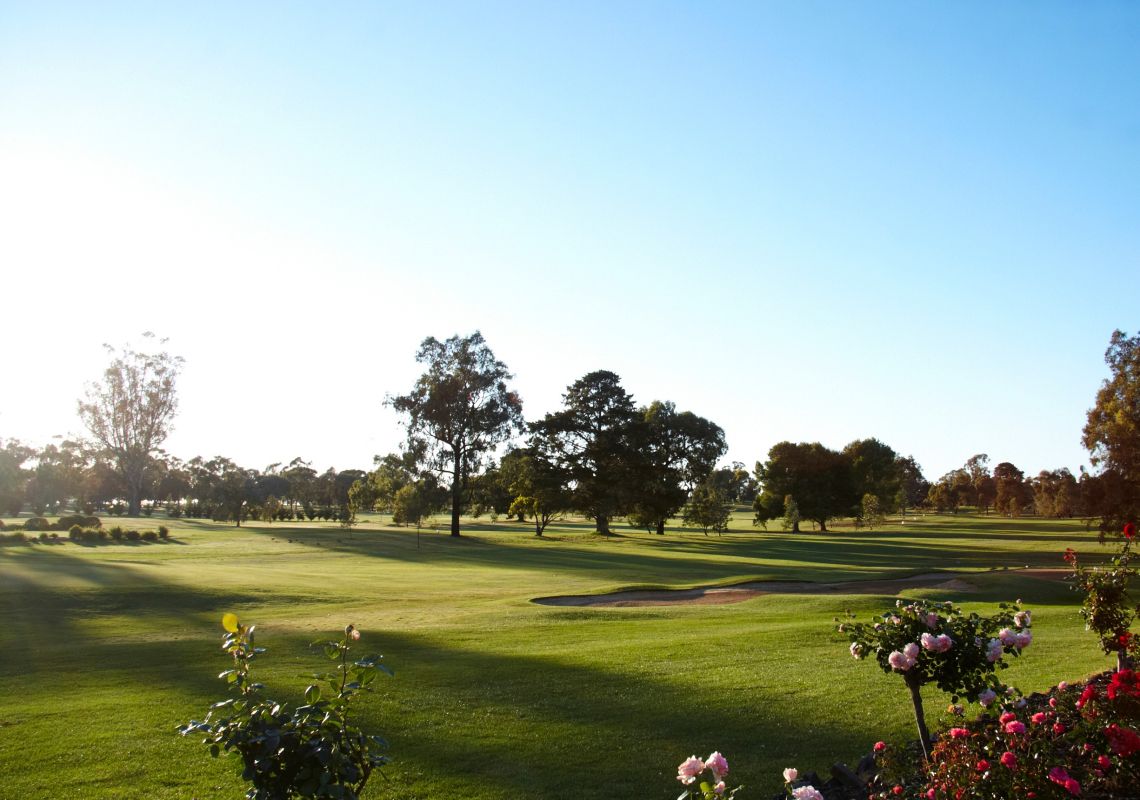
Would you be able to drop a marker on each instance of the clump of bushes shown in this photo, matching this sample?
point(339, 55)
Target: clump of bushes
point(163, 532)
point(149, 536)
point(133, 536)
point(82, 520)
point(17, 537)
point(37, 524)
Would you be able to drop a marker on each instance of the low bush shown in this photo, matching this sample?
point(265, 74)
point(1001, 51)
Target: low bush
point(75, 532)
point(133, 536)
point(16, 537)
point(163, 532)
point(82, 520)
point(37, 524)
point(149, 536)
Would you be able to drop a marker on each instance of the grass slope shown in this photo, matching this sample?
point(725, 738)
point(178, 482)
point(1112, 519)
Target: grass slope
point(105, 649)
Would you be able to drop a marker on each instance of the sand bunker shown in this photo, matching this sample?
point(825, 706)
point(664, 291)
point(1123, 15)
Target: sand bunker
point(717, 595)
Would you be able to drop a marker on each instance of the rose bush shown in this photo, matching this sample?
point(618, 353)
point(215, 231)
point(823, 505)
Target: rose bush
point(705, 779)
point(926, 642)
point(309, 751)
point(1108, 609)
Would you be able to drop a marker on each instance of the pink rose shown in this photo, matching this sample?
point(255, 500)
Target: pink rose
point(959, 733)
point(986, 697)
point(993, 650)
point(1038, 718)
point(911, 651)
point(1015, 727)
point(717, 763)
point(690, 768)
point(719, 788)
point(1008, 716)
point(1008, 759)
point(790, 774)
point(806, 793)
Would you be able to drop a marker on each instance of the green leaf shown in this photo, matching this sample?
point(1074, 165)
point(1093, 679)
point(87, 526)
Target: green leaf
point(312, 694)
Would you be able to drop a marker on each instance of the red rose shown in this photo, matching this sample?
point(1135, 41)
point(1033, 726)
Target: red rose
point(1129, 530)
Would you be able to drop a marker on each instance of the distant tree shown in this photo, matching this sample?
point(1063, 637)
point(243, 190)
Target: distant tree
point(1055, 493)
point(591, 443)
point(13, 476)
point(677, 450)
point(488, 493)
point(818, 478)
point(233, 490)
point(874, 470)
point(129, 412)
point(913, 487)
point(1012, 492)
point(871, 514)
point(1112, 431)
point(392, 472)
point(984, 489)
point(708, 508)
point(458, 410)
point(791, 517)
point(416, 501)
point(538, 488)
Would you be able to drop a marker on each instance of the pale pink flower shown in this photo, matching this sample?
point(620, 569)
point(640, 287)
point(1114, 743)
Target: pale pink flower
point(929, 641)
point(856, 650)
point(719, 788)
point(1023, 619)
point(899, 661)
point(1008, 637)
point(931, 620)
point(944, 643)
point(689, 769)
point(993, 650)
point(894, 620)
point(986, 697)
point(356, 634)
point(911, 651)
point(718, 764)
point(1023, 639)
point(1062, 686)
point(806, 793)
point(790, 774)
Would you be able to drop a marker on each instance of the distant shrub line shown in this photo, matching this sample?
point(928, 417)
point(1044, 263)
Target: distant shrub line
point(81, 529)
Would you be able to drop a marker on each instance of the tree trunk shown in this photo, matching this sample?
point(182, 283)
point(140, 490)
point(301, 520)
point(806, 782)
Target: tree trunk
point(660, 527)
point(823, 526)
point(913, 683)
point(602, 523)
point(456, 494)
point(796, 526)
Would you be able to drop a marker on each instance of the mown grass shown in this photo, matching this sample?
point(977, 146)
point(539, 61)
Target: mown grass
point(106, 649)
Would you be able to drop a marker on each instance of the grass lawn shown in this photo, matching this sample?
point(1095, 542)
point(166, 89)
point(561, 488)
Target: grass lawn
point(106, 649)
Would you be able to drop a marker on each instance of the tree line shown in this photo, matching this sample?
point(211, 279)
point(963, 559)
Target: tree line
point(468, 450)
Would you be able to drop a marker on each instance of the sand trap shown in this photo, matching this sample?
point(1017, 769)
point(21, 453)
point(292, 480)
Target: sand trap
point(718, 595)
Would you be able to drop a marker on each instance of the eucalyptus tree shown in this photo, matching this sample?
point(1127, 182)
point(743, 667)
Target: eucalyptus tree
point(459, 410)
point(129, 412)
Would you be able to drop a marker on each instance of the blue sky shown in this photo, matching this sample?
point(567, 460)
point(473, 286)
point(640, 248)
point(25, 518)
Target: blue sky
point(806, 221)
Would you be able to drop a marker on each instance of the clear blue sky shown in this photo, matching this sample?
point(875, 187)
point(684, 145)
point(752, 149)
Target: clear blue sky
point(806, 221)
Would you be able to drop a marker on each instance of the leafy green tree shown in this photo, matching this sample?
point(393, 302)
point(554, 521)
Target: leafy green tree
point(13, 476)
point(1013, 494)
point(791, 518)
point(871, 512)
point(708, 508)
point(459, 410)
point(1112, 430)
point(129, 412)
point(874, 470)
point(591, 443)
point(913, 487)
point(538, 488)
point(818, 478)
point(414, 502)
point(676, 451)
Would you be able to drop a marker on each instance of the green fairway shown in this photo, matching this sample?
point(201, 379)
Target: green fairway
point(106, 649)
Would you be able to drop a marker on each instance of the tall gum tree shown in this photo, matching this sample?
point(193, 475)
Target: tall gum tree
point(1112, 431)
point(458, 410)
point(129, 412)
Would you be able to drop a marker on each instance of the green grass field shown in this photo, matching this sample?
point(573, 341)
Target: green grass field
point(106, 649)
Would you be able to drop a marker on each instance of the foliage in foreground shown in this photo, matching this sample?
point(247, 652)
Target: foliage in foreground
point(311, 751)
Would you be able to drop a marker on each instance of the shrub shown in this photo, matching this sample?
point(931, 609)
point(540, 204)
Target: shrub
point(116, 533)
point(75, 532)
point(17, 537)
point(1108, 609)
point(163, 532)
point(37, 524)
point(149, 536)
point(133, 536)
point(310, 751)
point(45, 536)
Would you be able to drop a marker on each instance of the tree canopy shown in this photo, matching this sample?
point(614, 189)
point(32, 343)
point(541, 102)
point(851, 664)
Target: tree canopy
point(129, 412)
point(458, 410)
point(1112, 431)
